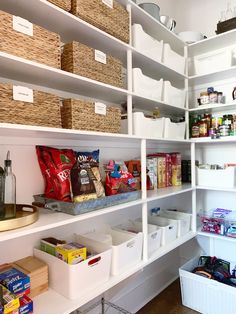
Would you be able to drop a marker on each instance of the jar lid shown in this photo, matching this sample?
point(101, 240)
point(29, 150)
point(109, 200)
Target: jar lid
point(224, 127)
point(204, 94)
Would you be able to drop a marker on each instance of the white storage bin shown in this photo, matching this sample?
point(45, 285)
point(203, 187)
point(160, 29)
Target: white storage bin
point(216, 178)
point(126, 249)
point(169, 228)
point(174, 96)
point(184, 220)
point(154, 233)
point(146, 86)
point(212, 61)
point(205, 295)
point(75, 281)
point(146, 44)
point(173, 60)
point(174, 130)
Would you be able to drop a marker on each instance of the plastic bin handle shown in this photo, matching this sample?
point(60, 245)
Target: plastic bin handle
point(130, 244)
point(94, 261)
point(154, 235)
point(171, 227)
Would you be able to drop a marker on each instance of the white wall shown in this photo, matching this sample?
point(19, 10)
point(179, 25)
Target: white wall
point(197, 15)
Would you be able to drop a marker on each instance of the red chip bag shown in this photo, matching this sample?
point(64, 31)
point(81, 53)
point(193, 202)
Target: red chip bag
point(59, 163)
point(126, 183)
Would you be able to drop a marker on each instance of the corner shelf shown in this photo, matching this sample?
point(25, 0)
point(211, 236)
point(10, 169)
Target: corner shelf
point(214, 107)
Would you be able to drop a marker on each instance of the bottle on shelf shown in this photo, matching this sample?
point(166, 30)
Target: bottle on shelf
point(9, 189)
point(195, 128)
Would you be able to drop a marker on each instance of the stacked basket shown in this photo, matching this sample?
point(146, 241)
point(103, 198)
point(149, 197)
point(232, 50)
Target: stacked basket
point(63, 4)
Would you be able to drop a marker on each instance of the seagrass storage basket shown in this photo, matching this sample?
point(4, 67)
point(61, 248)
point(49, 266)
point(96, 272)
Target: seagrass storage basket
point(80, 115)
point(108, 15)
point(41, 46)
point(80, 59)
point(63, 4)
point(43, 111)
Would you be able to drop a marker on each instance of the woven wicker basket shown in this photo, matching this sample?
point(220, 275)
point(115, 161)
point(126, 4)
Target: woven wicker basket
point(42, 47)
point(80, 115)
point(114, 21)
point(63, 4)
point(80, 59)
point(45, 111)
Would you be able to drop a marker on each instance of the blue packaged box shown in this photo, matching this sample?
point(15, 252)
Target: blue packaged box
point(26, 305)
point(15, 281)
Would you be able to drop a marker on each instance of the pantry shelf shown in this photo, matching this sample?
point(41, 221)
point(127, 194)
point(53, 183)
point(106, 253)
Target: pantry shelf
point(53, 303)
point(216, 188)
point(167, 192)
point(216, 236)
point(214, 107)
point(67, 25)
point(15, 68)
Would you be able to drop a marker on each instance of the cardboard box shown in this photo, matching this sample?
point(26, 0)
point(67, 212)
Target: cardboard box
point(16, 281)
point(10, 300)
point(71, 253)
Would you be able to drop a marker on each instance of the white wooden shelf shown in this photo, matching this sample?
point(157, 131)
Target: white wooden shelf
point(222, 189)
point(208, 140)
point(212, 43)
point(15, 68)
point(227, 73)
point(216, 236)
point(53, 303)
point(214, 107)
point(154, 195)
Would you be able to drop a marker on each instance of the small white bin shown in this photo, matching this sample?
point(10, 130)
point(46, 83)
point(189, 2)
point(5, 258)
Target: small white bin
point(173, 60)
point(146, 44)
point(213, 61)
point(154, 233)
point(205, 295)
point(126, 249)
point(184, 220)
point(169, 228)
point(75, 281)
point(174, 96)
point(174, 130)
point(216, 178)
point(147, 127)
point(146, 86)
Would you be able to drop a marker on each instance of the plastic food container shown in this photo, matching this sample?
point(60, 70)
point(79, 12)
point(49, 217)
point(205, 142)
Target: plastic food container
point(184, 220)
point(169, 228)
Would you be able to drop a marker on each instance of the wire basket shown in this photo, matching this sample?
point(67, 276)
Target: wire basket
point(63, 4)
point(43, 111)
point(80, 59)
point(103, 307)
point(43, 46)
point(112, 19)
point(81, 115)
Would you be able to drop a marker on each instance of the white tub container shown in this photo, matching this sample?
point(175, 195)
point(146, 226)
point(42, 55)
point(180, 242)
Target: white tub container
point(173, 96)
point(184, 220)
point(216, 178)
point(169, 228)
point(173, 60)
point(205, 295)
point(147, 87)
point(174, 130)
point(126, 249)
point(146, 44)
point(147, 127)
point(154, 233)
point(75, 281)
point(213, 61)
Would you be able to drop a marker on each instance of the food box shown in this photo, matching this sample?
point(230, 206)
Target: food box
point(10, 300)
point(15, 281)
point(71, 253)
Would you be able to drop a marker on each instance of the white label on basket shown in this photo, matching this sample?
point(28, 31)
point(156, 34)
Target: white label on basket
point(22, 25)
point(109, 3)
point(22, 93)
point(100, 56)
point(100, 108)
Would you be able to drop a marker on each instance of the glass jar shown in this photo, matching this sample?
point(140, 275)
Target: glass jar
point(195, 128)
point(204, 98)
point(234, 93)
point(224, 130)
point(203, 132)
point(213, 97)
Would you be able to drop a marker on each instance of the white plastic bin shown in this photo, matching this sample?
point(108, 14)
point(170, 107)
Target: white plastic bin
point(147, 127)
point(169, 228)
point(174, 130)
point(154, 233)
point(213, 61)
point(184, 220)
point(205, 295)
point(146, 44)
point(216, 178)
point(174, 96)
point(146, 86)
point(74, 281)
point(173, 60)
point(126, 249)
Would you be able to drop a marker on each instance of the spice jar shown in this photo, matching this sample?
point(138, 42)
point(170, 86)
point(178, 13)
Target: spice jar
point(204, 98)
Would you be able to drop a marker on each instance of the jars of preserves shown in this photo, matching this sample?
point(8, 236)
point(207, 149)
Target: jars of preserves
point(195, 128)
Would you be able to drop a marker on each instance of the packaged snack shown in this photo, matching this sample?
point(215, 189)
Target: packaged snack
point(49, 245)
point(134, 167)
point(71, 253)
point(10, 301)
point(26, 305)
point(176, 169)
point(59, 163)
point(15, 281)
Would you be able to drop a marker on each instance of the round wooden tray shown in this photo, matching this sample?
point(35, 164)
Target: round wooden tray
point(25, 215)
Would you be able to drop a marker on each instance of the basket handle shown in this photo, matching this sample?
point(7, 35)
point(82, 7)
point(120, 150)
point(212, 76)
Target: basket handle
point(94, 261)
point(55, 206)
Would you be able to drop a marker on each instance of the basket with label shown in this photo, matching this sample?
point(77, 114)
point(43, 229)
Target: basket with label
point(22, 105)
point(26, 40)
point(108, 15)
point(91, 116)
point(63, 4)
point(91, 63)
